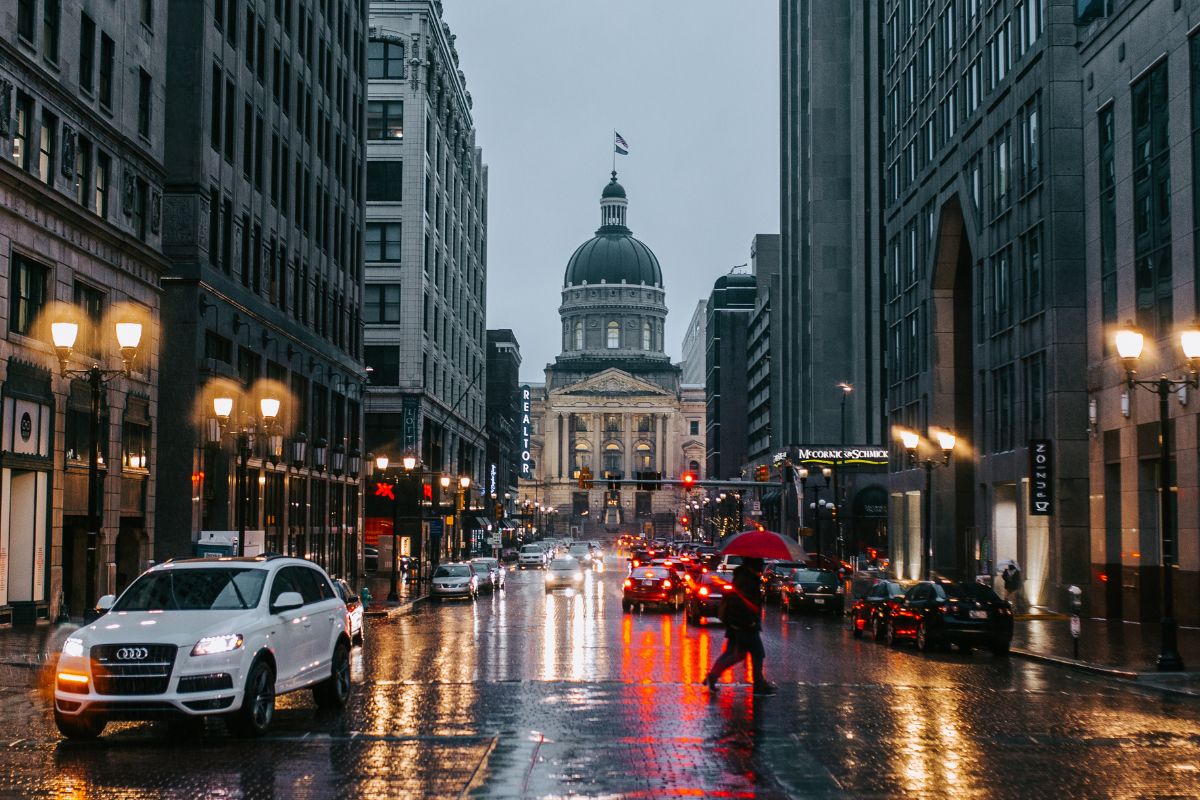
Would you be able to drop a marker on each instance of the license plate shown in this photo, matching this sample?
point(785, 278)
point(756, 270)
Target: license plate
point(819, 601)
point(978, 615)
point(647, 583)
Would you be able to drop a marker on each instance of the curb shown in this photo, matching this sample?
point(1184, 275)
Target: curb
point(397, 610)
point(1083, 666)
point(1154, 681)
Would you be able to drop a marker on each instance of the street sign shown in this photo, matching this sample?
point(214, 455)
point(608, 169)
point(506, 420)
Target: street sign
point(755, 508)
point(493, 541)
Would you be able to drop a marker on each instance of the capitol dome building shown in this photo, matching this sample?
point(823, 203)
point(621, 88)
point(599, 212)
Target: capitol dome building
point(612, 402)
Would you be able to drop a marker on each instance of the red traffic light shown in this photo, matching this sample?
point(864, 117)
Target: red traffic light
point(683, 520)
point(689, 479)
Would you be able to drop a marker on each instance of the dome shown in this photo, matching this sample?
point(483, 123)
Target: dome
point(613, 255)
point(613, 258)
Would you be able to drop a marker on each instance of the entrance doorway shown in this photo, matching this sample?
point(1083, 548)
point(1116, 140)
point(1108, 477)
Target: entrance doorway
point(74, 564)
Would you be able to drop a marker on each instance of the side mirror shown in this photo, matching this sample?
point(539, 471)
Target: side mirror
point(288, 601)
point(105, 603)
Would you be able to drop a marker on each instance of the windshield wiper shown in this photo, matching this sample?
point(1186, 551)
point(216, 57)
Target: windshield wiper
point(241, 599)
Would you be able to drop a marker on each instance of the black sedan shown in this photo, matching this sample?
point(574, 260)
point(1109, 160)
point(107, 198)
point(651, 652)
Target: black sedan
point(704, 596)
point(870, 613)
point(940, 614)
point(772, 578)
point(812, 590)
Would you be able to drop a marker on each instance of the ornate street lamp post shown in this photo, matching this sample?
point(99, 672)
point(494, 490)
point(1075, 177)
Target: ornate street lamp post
point(1129, 343)
point(912, 445)
point(409, 463)
point(247, 430)
point(129, 338)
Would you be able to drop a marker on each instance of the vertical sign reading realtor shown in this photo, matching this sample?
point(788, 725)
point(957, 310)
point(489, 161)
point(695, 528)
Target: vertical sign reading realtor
point(1041, 478)
point(526, 433)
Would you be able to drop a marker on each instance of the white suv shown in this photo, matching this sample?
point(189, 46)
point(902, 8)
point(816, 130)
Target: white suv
point(203, 637)
point(532, 556)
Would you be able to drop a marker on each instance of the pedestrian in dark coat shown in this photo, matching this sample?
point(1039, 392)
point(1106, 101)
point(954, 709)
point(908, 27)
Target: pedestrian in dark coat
point(743, 627)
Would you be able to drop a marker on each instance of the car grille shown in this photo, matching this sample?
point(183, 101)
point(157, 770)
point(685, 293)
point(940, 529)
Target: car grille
point(132, 669)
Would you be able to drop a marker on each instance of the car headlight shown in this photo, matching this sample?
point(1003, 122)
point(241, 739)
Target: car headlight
point(578, 577)
point(211, 645)
point(73, 647)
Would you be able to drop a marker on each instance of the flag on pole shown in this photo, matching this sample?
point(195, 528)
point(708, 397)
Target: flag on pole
point(619, 144)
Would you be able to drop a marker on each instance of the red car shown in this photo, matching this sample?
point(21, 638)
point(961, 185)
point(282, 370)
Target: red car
point(653, 586)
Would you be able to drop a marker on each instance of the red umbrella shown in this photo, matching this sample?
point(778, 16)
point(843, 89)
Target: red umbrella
point(762, 544)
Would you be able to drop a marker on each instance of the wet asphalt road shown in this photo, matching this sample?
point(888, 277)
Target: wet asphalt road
point(526, 694)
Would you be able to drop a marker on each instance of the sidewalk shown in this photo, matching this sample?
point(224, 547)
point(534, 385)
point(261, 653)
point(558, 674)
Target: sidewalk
point(1118, 649)
point(409, 589)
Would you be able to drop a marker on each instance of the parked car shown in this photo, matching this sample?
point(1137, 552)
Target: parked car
point(871, 612)
point(812, 590)
point(355, 613)
point(655, 585)
point(936, 614)
point(491, 574)
point(705, 596)
point(202, 637)
point(454, 580)
point(772, 575)
point(532, 556)
point(564, 573)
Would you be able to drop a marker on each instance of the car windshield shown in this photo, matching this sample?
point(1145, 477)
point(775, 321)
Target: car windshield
point(531, 548)
point(579, 548)
point(812, 576)
point(565, 565)
point(486, 563)
point(971, 591)
point(208, 589)
point(458, 571)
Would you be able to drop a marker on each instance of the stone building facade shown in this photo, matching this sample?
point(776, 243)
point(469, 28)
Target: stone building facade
point(81, 178)
point(612, 401)
point(426, 252)
point(264, 229)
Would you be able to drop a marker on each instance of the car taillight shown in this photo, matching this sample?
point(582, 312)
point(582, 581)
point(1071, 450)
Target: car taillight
point(941, 607)
point(704, 591)
point(841, 590)
point(637, 563)
point(628, 583)
point(666, 584)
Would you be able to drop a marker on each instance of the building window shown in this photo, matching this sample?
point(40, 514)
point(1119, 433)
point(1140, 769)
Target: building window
point(87, 53)
point(107, 50)
point(1031, 145)
point(384, 363)
point(381, 303)
point(383, 241)
point(1002, 385)
point(644, 456)
point(1001, 171)
point(91, 302)
point(1152, 204)
point(83, 171)
point(384, 181)
point(21, 146)
point(50, 20)
point(1031, 245)
point(646, 336)
point(1035, 393)
point(25, 15)
point(135, 445)
point(694, 427)
point(46, 145)
point(26, 293)
point(147, 9)
point(385, 119)
point(1108, 219)
point(144, 103)
point(103, 166)
point(578, 335)
point(613, 460)
point(141, 201)
point(614, 334)
point(1001, 291)
point(385, 60)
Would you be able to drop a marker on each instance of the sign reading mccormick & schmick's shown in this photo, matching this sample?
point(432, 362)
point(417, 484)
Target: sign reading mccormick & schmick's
point(875, 456)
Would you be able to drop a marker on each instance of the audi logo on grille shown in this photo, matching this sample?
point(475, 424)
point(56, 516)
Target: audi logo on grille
point(133, 654)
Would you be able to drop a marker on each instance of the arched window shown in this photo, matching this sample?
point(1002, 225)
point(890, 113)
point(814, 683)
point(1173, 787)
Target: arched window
point(646, 337)
point(578, 335)
point(644, 456)
point(583, 457)
point(614, 334)
point(612, 458)
point(694, 468)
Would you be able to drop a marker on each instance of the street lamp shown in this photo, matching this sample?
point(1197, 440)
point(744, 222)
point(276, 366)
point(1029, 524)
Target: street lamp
point(912, 445)
point(838, 491)
point(248, 428)
point(464, 483)
point(1129, 343)
point(381, 465)
point(129, 337)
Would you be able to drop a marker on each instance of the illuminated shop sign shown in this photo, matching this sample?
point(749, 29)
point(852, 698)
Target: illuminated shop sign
point(525, 445)
point(844, 455)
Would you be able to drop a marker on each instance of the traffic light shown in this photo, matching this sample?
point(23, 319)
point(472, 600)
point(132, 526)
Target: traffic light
point(689, 479)
point(762, 473)
point(499, 511)
point(683, 521)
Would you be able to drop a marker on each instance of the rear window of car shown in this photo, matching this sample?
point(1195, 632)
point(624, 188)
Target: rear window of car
point(813, 576)
point(651, 572)
point(717, 578)
point(970, 591)
point(216, 589)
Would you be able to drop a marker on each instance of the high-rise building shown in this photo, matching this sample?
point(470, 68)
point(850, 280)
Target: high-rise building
point(729, 308)
point(266, 103)
point(984, 295)
point(426, 251)
point(81, 177)
point(828, 304)
point(762, 339)
point(691, 369)
point(1139, 74)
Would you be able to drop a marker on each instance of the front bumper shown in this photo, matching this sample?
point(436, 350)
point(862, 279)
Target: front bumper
point(219, 679)
point(447, 591)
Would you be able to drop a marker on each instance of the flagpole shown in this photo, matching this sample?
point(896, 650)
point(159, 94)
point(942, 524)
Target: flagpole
point(614, 151)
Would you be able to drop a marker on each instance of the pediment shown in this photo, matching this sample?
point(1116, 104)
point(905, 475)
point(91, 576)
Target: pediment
point(613, 382)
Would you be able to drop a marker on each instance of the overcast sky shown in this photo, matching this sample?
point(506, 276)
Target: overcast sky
point(692, 85)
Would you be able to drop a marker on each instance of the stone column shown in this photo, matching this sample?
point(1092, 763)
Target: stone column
point(627, 431)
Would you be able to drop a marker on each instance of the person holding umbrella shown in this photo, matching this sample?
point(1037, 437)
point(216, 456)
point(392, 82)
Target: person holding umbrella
point(741, 611)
